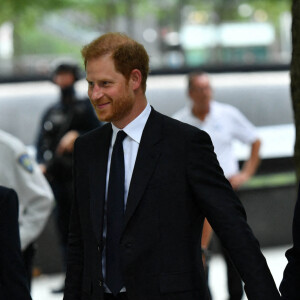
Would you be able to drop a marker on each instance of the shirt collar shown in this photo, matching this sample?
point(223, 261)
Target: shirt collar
point(208, 116)
point(135, 128)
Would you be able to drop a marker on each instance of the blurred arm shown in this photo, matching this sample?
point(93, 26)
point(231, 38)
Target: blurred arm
point(249, 167)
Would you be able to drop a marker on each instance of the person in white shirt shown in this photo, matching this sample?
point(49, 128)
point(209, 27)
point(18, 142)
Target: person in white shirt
point(21, 173)
point(224, 123)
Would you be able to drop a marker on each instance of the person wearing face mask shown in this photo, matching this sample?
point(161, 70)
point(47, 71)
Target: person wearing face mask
point(61, 124)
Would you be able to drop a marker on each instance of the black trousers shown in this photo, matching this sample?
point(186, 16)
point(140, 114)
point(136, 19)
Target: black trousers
point(63, 196)
point(28, 257)
point(234, 282)
point(120, 296)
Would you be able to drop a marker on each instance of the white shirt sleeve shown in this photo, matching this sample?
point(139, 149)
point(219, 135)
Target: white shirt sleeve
point(35, 195)
point(242, 129)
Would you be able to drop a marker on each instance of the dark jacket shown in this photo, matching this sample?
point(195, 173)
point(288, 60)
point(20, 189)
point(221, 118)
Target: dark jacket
point(176, 183)
point(58, 119)
point(13, 281)
point(290, 285)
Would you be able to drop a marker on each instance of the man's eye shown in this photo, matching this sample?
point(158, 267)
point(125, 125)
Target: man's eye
point(91, 84)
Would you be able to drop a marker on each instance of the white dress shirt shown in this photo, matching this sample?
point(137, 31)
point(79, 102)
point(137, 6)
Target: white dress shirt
point(131, 143)
point(224, 123)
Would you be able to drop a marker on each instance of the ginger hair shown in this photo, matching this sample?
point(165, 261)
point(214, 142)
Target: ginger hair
point(126, 53)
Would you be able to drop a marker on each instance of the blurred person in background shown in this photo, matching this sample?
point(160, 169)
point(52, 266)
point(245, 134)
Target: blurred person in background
point(290, 285)
point(20, 172)
point(61, 124)
point(13, 277)
point(224, 123)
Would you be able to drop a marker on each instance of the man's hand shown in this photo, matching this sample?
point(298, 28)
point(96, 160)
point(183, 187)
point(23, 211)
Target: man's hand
point(238, 180)
point(66, 143)
point(249, 167)
point(43, 168)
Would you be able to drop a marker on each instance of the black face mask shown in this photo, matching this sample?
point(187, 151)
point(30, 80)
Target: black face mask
point(67, 94)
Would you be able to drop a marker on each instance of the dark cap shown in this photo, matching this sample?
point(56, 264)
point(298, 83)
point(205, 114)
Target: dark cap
point(67, 68)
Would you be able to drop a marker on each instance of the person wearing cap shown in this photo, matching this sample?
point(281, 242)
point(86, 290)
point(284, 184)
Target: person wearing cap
point(61, 124)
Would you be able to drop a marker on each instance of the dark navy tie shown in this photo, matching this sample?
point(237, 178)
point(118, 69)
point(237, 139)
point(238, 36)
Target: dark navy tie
point(115, 216)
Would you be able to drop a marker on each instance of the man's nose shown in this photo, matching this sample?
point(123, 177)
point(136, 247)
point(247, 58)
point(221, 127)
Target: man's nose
point(97, 93)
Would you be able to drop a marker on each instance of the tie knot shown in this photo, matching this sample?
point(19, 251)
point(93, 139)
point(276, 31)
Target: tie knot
point(120, 137)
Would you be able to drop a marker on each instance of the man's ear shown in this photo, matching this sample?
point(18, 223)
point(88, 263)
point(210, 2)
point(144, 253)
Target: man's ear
point(135, 79)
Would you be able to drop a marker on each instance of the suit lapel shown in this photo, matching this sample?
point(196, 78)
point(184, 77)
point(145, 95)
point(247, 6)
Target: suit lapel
point(146, 161)
point(97, 175)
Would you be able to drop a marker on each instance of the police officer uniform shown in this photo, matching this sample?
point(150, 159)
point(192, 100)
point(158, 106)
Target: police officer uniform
point(20, 172)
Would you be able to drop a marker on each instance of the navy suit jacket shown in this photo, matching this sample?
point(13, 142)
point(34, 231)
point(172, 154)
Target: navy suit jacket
point(176, 183)
point(290, 285)
point(13, 281)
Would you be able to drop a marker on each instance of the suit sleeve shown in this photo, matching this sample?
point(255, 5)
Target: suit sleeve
point(75, 246)
point(289, 287)
point(227, 216)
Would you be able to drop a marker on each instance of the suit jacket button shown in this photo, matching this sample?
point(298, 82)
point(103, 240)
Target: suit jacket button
point(100, 283)
point(98, 249)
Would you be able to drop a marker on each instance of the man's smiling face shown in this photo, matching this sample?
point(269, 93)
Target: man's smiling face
point(109, 91)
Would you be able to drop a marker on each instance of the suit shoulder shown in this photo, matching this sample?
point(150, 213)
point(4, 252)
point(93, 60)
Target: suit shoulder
point(181, 128)
point(6, 193)
point(94, 134)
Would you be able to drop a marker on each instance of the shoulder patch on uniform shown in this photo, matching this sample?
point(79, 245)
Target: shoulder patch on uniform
point(26, 162)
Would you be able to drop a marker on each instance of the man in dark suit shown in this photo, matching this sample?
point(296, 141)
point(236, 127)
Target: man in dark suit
point(290, 285)
point(143, 185)
point(13, 280)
